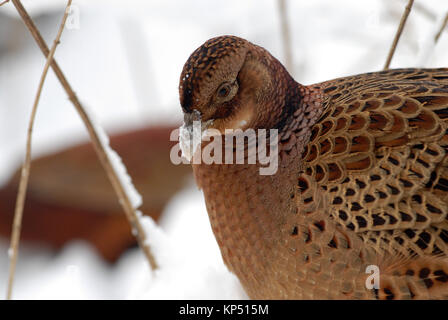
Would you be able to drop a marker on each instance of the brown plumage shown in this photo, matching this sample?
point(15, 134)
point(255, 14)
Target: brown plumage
point(362, 177)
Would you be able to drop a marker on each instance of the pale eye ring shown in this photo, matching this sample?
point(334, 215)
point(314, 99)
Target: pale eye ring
point(224, 90)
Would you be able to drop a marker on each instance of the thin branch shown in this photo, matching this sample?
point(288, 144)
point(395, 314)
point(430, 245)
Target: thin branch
point(2, 3)
point(286, 37)
point(404, 17)
point(17, 224)
point(442, 27)
point(124, 200)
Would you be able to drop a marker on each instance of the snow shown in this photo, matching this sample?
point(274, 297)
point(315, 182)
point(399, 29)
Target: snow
point(191, 266)
point(134, 196)
point(190, 138)
point(124, 61)
point(187, 145)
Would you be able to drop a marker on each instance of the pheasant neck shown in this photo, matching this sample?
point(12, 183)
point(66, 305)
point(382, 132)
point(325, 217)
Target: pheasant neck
point(248, 211)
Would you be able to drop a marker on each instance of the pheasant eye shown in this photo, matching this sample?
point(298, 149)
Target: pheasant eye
point(224, 91)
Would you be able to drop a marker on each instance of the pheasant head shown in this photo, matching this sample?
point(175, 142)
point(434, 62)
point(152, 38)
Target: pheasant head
point(230, 83)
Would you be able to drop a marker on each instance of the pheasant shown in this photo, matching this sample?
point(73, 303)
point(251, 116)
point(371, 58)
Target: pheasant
point(362, 179)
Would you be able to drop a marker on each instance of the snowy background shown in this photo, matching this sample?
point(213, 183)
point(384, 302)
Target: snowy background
point(124, 58)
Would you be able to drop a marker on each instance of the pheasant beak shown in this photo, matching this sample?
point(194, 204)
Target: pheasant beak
point(191, 133)
point(190, 117)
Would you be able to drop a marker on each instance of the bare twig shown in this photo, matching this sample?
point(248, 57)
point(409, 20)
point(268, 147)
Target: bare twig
point(17, 224)
point(442, 27)
point(286, 37)
point(404, 17)
point(3, 2)
point(124, 200)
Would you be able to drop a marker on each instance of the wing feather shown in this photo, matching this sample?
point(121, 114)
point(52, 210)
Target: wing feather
point(380, 153)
